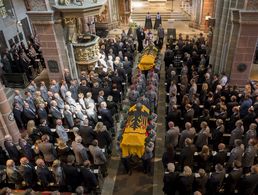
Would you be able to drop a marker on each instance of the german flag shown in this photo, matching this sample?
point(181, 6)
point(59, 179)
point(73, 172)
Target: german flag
point(134, 135)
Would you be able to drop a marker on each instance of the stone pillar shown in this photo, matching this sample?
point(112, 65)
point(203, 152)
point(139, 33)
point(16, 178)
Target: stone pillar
point(7, 122)
point(223, 18)
point(207, 10)
point(218, 12)
point(229, 43)
point(43, 23)
point(245, 46)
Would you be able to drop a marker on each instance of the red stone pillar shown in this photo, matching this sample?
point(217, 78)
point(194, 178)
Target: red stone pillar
point(246, 45)
point(43, 24)
point(207, 10)
point(7, 122)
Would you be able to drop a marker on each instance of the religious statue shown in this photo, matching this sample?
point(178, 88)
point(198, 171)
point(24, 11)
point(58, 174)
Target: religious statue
point(148, 22)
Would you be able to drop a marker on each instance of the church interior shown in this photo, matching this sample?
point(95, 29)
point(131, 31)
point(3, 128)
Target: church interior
point(132, 97)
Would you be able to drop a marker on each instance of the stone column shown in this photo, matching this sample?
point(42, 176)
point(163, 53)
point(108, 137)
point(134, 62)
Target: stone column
point(218, 12)
point(3, 131)
point(230, 38)
point(44, 26)
point(245, 46)
point(223, 18)
point(207, 10)
point(7, 122)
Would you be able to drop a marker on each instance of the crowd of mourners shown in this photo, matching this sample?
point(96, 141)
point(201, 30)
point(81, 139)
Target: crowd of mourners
point(67, 127)
point(211, 134)
point(22, 58)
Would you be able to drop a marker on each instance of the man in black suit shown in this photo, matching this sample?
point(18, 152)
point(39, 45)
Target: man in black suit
point(72, 174)
point(13, 152)
point(187, 153)
point(87, 133)
point(84, 88)
point(28, 173)
point(17, 114)
point(170, 180)
point(233, 178)
point(42, 113)
point(28, 112)
point(221, 156)
point(89, 180)
point(215, 180)
point(249, 181)
point(200, 182)
point(44, 175)
point(189, 114)
point(106, 117)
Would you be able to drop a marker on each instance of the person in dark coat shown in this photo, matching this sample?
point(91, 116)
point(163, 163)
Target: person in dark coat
point(170, 180)
point(189, 114)
point(106, 117)
point(28, 173)
point(140, 37)
point(249, 181)
point(42, 113)
point(174, 115)
point(28, 112)
point(72, 174)
point(103, 136)
point(26, 149)
point(217, 134)
point(215, 180)
point(220, 157)
point(87, 133)
point(200, 181)
point(148, 22)
point(47, 149)
point(232, 181)
point(18, 116)
point(187, 153)
point(13, 152)
point(89, 180)
point(44, 175)
point(43, 128)
point(168, 156)
point(158, 21)
point(63, 151)
point(3, 156)
point(186, 181)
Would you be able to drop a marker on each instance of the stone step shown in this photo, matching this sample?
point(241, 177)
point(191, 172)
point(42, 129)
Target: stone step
point(165, 15)
point(164, 18)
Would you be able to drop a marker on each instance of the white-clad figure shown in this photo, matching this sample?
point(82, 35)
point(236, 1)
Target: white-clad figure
point(110, 63)
point(103, 62)
point(70, 101)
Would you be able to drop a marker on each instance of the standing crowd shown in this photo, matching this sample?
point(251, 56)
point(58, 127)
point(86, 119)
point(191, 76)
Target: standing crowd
point(211, 133)
point(22, 59)
point(67, 128)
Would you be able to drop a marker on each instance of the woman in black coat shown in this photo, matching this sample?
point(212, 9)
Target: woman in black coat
point(170, 180)
point(168, 156)
point(186, 182)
